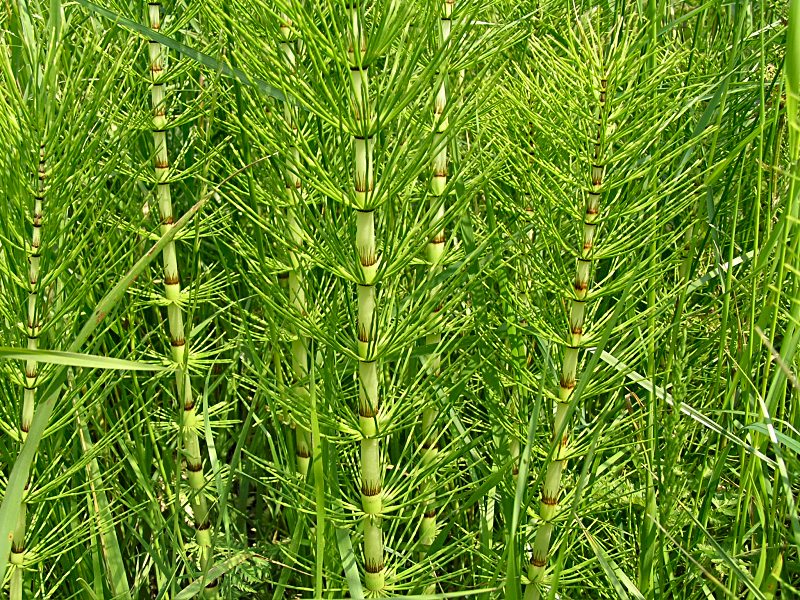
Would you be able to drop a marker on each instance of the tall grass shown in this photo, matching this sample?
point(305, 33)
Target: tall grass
point(488, 300)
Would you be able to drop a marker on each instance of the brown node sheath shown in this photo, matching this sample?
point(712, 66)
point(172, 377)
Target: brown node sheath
point(367, 259)
point(550, 500)
point(373, 567)
point(538, 561)
point(363, 336)
point(371, 489)
point(367, 411)
point(567, 384)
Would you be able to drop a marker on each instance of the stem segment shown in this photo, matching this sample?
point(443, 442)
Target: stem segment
point(296, 283)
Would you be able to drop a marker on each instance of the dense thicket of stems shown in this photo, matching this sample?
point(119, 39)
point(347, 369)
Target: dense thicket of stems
point(484, 299)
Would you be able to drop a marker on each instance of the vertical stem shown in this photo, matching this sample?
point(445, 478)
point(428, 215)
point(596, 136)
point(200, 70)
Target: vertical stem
point(189, 422)
point(647, 538)
point(296, 284)
point(367, 327)
point(33, 327)
point(435, 253)
point(548, 507)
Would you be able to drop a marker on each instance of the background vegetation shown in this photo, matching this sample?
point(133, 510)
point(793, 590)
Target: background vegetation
point(444, 298)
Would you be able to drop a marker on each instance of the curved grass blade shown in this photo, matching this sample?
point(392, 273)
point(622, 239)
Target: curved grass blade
point(77, 359)
point(214, 573)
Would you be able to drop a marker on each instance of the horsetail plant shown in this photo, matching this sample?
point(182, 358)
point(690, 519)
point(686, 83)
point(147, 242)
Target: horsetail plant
point(578, 300)
point(412, 360)
point(33, 327)
point(435, 252)
point(367, 320)
point(189, 421)
point(622, 179)
point(296, 282)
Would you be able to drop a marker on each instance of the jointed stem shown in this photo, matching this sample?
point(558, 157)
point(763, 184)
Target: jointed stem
point(33, 328)
point(296, 284)
point(435, 252)
point(172, 289)
point(548, 508)
point(367, 328)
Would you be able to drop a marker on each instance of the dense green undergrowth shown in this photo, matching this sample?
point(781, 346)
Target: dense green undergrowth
point(442, 298)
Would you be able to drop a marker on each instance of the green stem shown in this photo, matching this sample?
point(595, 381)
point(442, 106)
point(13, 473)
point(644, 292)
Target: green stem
point(296, 283)
point(548, 508)
point(435, 253)
point(190, 424)
point(33, 328)
point(367, 328)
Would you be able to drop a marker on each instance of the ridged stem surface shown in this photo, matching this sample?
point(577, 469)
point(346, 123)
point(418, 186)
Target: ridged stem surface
point(172, 290)
point(33, 328)
point(367, 326)
point(435, 252)
point(548, 507)
point(296, 283)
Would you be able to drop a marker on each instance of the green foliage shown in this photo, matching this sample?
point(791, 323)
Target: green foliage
point(671, 442)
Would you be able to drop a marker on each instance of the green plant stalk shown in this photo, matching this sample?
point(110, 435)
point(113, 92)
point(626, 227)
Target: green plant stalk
point(189, 422)
point(648, 531)
point(33, 328)
point(548, 507)
point(435, 252)
point(296, 284)
point(367, 327)
point(15, 486)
